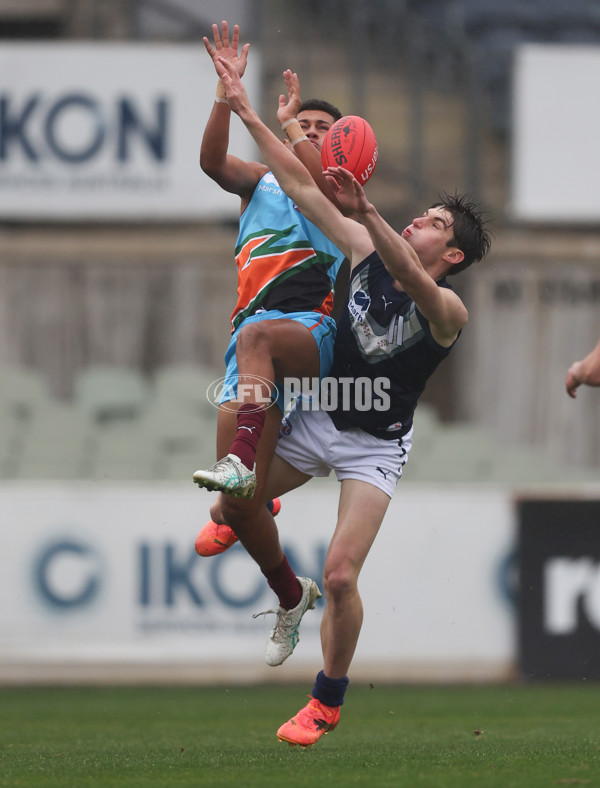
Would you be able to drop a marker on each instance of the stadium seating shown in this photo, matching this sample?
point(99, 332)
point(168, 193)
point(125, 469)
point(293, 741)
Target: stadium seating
point(453, 453)
point(56, 444)
point(11, 434)
point(184, 387)
point(123, 452)
point(465, 453)
point(183, 439)
point(164, 428)
point(22, 391)
point(111, 393)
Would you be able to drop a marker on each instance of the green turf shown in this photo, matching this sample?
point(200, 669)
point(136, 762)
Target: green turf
point(522, 736)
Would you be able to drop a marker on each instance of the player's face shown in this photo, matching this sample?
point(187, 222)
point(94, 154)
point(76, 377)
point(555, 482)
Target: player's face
point(315, 124)
point(429, 234)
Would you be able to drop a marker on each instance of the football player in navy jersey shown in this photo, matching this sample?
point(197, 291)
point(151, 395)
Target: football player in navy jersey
point(403, 318)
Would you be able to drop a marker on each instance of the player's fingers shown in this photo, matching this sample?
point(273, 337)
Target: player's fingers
point(225, 33)
point(330, 173)
point(244, 54)
point(341, 173)
point(571, 384)
point(227, 64)
point(227, 70)
point(209, 48)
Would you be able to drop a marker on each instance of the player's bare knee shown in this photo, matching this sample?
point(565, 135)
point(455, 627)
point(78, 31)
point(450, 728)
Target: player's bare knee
point(238, 512)
point(216, 512)
point(339, 582)
point(253, 338)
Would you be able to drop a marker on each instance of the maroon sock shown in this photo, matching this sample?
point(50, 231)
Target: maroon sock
point(285, 584)
point(250, 420)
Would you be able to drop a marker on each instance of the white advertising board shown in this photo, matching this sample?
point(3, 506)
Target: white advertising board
point(555, 152)
point(110, 132)
point(108, 575)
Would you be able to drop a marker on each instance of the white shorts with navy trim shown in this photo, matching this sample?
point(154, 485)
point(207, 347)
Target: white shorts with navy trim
point(309, 440)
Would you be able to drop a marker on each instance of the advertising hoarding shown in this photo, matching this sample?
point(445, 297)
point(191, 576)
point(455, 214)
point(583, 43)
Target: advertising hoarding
point(559, 597)
point(556, 116)
point(107, 575)
point(109, 131)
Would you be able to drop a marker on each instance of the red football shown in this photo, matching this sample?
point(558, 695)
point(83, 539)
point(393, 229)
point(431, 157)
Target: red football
point(351, 143)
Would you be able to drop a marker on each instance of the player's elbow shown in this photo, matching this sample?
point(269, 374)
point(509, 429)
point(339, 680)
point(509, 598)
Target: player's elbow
point(213, 160)
point(208, 166)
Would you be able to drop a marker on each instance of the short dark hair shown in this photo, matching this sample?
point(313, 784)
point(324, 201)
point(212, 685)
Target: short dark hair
point(321, 106)
point(469, 231)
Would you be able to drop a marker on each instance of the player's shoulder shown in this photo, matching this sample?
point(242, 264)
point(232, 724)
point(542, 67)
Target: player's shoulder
point(360, 242)
point(257, 172)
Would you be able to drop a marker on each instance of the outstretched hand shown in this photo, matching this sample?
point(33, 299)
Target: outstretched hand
point(348, 192)
point(237, 98)
point(224, 49)
point(289, 105)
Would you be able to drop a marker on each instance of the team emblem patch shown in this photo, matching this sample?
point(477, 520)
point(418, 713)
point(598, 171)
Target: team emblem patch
point(359, 304)
point(285, 427)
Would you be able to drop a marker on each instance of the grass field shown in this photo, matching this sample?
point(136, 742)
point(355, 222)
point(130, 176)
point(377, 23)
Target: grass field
point(516, 735)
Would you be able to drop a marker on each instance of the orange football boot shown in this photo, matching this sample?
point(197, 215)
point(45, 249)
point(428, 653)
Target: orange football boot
point(214, 538)
point(311, 722)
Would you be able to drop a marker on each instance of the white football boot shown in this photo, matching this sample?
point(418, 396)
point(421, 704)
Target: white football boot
point(229, 476)
point(284, 636)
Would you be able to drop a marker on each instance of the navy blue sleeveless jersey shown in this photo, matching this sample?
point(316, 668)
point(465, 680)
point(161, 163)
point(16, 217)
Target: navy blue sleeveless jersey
point(384, 354)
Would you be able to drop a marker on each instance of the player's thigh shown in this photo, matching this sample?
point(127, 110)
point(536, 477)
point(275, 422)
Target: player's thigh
point(289, 343)
point(282, 478)
point(361, 510)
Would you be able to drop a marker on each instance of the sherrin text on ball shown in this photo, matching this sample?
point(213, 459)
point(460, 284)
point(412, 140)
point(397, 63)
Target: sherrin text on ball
point(351, 143)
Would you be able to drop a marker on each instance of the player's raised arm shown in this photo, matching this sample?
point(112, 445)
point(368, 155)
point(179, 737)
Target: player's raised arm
point(304, 149)
point(442, 307)
point(231, 173)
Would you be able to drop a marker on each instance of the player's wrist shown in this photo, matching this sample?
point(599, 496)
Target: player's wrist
point(368, 216)
point(294, 131)
point(220, 96)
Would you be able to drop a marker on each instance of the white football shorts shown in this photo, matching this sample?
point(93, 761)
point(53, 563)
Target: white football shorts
point(309, 441)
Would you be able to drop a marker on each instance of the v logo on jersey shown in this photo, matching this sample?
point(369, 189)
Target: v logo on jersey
point(382, 472)
point(386, 303)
